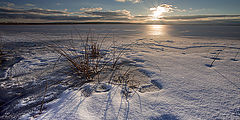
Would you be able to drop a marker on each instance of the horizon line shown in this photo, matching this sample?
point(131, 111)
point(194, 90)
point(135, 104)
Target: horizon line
point(62, 23)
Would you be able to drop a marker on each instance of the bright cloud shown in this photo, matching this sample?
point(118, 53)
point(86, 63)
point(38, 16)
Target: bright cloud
point(29, 5)
point(90, 9)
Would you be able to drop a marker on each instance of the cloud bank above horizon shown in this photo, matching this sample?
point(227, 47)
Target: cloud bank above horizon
point(152, 13)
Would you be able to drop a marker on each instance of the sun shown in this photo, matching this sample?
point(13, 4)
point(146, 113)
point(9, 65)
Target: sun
point(157, 12)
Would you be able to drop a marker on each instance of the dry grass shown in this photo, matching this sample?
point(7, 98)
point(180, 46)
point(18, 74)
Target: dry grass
point(90, 60)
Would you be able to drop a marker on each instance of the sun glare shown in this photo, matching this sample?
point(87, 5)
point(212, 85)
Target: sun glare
point(157, 12)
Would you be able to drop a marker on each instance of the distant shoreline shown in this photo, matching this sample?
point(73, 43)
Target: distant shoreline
point(112, 23)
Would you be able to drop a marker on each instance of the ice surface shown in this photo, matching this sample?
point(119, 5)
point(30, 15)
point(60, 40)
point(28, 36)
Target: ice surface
point(175, 81)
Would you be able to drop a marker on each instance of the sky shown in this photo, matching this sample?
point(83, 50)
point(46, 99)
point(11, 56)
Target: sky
point(132, 11)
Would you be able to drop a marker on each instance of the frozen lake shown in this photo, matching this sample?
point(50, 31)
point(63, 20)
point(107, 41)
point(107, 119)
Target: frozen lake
point(171, 63)
point(124, 31)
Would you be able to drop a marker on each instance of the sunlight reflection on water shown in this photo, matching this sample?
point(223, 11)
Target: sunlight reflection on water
point(156, 30)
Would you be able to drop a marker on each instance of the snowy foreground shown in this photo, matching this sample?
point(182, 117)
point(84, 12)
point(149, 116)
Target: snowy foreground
point(179, 83)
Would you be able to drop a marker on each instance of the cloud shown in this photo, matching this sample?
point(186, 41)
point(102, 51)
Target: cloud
point(190, 17)
point(163, 8)
point(221, 21)
point(48, 11)
point(167, 6)
point(46, 17)
point(63, 15)
point(133, 1)
point(141, 16)
point(87, 15)
point(121, 0)
point(117, 13)
point(88, 12)
point(32, 11)
point(158, 11)
point(91, 9)
point(8, 4)
point(29, 5)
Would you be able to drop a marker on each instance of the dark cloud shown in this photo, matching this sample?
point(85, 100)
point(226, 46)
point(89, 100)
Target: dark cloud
point(8, 10)
point(198, 17)
point(223, 21)
point(57, 15)
point(118, 13)
point(141, 16)
point(31, 11)
point(105, 13)
point(45, 17)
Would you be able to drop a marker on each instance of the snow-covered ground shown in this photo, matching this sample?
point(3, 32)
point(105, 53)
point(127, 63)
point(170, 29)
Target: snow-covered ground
point(177, 82)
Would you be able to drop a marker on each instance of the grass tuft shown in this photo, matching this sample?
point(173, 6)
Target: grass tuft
point(92, 62)
point(89, 59)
